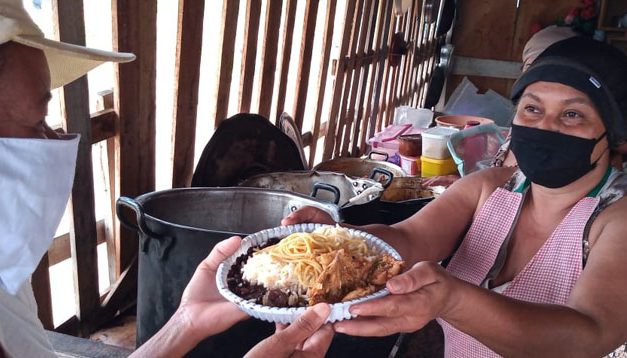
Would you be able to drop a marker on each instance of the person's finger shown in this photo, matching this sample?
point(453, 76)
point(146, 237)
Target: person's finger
point(285, 342)
point(307, 214)
point(375, 327)
point(220, 252)
point(318, 344)
point(420, 275)
point(278, 327)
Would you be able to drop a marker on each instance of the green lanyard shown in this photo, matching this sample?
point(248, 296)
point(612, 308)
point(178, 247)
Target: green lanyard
point(594, 192)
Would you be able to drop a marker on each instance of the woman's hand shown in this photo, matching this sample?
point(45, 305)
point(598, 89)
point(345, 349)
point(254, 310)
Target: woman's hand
point(203, 311)
point(307, 337)
point(417, 297)
point(202, 306)
point(308, 214)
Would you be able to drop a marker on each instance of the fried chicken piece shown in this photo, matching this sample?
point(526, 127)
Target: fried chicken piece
point(359, 292)
point(384, 269)
point(343, 273)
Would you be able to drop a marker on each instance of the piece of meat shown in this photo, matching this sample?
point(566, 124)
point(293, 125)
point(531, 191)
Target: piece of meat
point(342, 274)
point(359, 292)
point(384, 269)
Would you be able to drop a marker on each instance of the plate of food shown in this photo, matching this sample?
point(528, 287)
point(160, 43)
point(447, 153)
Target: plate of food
point(277, 273)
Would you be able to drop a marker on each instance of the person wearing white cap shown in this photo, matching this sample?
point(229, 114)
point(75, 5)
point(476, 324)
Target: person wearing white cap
point(36, 178)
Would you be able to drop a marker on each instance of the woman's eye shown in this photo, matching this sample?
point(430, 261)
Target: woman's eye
point(531, 109)
point(572, 114)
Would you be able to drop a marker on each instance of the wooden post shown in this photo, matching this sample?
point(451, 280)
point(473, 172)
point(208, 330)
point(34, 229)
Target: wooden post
point(228, 31)
point(187, 74)
point(134, 30)
point(269, 56)
point(286, 46)
point(304, 63)
point(75, 108)
point(249, 56)
point(327, 40)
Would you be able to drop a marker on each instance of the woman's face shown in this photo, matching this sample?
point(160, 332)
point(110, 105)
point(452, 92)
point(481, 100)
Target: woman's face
point(559, 108)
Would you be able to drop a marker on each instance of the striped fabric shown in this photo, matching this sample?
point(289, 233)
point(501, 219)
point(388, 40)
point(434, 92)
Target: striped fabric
point(548, 278)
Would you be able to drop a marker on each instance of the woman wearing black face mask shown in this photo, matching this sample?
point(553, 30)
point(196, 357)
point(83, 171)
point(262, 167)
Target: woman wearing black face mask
point(535, 254)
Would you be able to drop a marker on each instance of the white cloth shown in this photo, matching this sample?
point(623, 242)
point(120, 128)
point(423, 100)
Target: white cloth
point(36, 177)
point(21, 332)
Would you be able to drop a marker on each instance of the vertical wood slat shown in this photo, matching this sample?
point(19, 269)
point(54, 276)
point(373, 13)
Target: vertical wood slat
point(304, 62)
point(394, 83)
point(286, 52)
point(249, 55)
point(409, 58)
point(358, 128)
point(228, 31)
point(269, 56)
point(40, 281)
point(327, 40)
point(420, 53)
point(187, 75)
point(383, 89)
point(134, 30)
point(374, 56)
point(380, 69)
point(75, 108)
point(406, 59)
point(350, 76)
point(329, 139)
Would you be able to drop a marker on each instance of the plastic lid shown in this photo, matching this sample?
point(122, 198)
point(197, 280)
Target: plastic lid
point(438, 132)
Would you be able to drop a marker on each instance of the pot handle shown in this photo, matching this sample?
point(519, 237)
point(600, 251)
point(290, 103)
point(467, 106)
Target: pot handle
point(324, 186)
point(383, 154)
point(384, 172)
point(127, 202)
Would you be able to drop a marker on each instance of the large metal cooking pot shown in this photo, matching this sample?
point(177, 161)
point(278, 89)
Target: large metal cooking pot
point(403, 198)
point(177, 229)
point(360, 167)
point(358, 198)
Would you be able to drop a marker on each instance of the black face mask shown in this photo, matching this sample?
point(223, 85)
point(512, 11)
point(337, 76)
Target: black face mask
point(552, 159)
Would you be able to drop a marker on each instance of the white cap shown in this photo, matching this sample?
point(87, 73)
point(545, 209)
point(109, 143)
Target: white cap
point(66, 62)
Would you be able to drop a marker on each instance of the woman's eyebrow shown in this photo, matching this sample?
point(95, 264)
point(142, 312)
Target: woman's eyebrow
point(580, 100)
point(532, 96)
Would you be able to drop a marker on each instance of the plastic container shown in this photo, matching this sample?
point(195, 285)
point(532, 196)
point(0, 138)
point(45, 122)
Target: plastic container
point(434, 142)
point(459, 121)
point(387, 141)
point(411, 165)
point(432, 167)
point(410, 145)
point(417, 117)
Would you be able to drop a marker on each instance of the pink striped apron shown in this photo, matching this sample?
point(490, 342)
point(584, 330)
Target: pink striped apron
point(548, 277)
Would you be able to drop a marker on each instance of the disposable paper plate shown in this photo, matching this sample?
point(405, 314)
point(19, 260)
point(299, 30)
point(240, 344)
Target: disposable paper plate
point(339, 311)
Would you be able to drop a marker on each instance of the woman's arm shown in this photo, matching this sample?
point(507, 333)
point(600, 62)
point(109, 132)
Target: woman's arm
point(592, 323)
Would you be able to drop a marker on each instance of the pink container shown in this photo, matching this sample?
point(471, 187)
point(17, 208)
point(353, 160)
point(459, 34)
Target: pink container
point(411, 165)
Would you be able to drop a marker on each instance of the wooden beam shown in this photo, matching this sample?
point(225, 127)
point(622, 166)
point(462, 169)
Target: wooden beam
point(304, 62)
point(286, 52)
point(378, 62)
point(121, 295)
point(134, 30)
point(40, 280)
point(269, 56)
point(186, 78)
point(60, 249)
point(340, 74)
point(226, 48)
point(103, 125)
point(327, 40)
point(468, 66)
point(249, 55)
point(351, 79)
point(75, 108)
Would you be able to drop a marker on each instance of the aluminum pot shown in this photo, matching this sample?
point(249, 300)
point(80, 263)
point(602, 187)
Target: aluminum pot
point(361, 167)
point(358, 198)
point(177, 229)
point(403, 198)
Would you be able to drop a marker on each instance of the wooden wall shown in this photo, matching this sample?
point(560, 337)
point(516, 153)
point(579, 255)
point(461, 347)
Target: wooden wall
point(498, 30)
